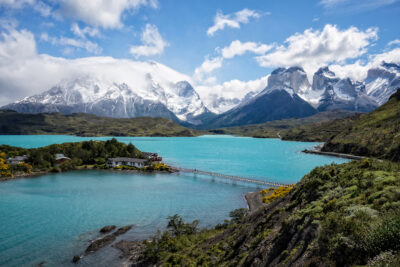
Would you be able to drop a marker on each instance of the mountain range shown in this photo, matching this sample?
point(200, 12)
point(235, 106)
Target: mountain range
point(155, 90)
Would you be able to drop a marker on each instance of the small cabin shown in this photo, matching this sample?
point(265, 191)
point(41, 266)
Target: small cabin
point(152, 156)
point(16, 160)
point(132, 162)
point(61, 158)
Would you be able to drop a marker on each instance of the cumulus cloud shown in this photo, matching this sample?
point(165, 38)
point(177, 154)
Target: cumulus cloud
point(234, 90)
point(102, 13)
point(153, 43)
point(24, 72)
point(237, 48)
point(208, 66)
point(314, 48)
point(71, 42)
point(358, 70)
point(232, 20)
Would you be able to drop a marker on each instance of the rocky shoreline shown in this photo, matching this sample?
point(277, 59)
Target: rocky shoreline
point(332, 154)
point(131, 250)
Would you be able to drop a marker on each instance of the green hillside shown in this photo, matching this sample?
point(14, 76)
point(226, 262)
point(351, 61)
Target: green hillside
point(338, 215)
point(291, 129)
point(88, 125)
point(376, 134)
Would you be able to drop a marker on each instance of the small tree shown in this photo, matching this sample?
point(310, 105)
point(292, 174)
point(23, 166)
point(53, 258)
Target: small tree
point(178, 227)
point(238, 215)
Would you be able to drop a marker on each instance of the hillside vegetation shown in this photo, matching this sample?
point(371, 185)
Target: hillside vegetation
point(310, 128)
point(83, 124)
point(87, 154)
point(376, 134)
point(338, 215)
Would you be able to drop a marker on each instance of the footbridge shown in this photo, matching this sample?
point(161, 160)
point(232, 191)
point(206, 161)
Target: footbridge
point(233, 178)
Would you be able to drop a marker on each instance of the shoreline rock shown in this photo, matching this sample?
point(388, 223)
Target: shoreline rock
point(103, 241)
point(107, 228)
point(254, 201)
point(131, 250)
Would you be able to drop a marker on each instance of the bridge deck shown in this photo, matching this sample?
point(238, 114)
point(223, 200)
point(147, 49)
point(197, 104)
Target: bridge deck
point(231, 177)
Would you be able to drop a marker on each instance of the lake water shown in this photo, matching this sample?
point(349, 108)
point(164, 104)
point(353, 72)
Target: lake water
point(50, 218)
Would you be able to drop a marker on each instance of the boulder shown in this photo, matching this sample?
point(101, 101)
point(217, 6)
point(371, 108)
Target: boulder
point(107, 228)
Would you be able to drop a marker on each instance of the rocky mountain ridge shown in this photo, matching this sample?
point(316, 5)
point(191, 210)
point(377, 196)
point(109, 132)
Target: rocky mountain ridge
point(157, 91)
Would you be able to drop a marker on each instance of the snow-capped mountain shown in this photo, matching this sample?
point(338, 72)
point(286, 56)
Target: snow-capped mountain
point(383, 81)
point(329, 92)
point(293, 80)
point(132, 89)
point(279, 100)
point(149, 89)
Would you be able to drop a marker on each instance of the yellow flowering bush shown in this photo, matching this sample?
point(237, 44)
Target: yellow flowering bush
point(4, 167)
point(160, 166)
point(276, 193)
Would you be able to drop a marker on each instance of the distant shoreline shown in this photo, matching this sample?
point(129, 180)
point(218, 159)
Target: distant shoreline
point(317, 151)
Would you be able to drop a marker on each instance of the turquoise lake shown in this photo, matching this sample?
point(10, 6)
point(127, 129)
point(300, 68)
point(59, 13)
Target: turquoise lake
point(50, 218)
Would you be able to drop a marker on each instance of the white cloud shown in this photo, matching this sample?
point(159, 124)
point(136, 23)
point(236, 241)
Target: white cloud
point(82, 32)
point(237, 48)
point(153, 43)
point(231, 20)
point(208, 66)
point(394, 42)
point(102, 13)
point(355, 5)
point(358, 71)
point(16, 3)
point(24, 72)
point(37, 5)
point(234, 90)
point(70, 42)
point(314, 48)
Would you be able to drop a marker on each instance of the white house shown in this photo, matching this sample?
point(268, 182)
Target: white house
point(17, 159)
point(132, 162)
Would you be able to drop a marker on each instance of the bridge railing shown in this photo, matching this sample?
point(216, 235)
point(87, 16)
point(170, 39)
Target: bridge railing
point(232, 177)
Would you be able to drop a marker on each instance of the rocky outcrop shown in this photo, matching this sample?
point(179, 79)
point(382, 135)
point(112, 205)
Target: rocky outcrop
point(107, 229)
point(383, 81)
point(330, 93)
point(106, 240)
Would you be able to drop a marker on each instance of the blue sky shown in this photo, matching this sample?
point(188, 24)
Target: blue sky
point(177, 33)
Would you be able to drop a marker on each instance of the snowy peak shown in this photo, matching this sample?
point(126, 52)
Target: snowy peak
point(185, 102)
point(383, 81)
point(293, 80)
point(121, 95)
point(330, 92)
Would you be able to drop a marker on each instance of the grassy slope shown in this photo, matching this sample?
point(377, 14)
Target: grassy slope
point(89, 125)
point(319, 131)
point(376, 134)
point(338, 215)
point(289, 127)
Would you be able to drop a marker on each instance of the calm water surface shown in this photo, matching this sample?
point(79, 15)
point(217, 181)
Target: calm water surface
point(50, 218)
